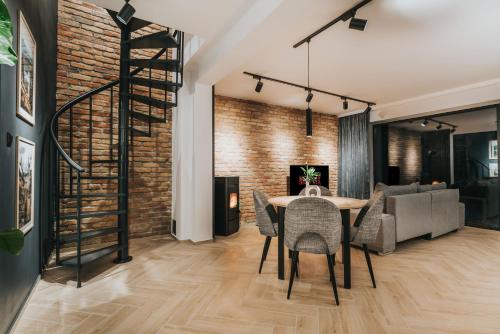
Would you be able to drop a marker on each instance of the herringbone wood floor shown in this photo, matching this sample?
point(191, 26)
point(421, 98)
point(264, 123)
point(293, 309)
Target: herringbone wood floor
point(447, 285)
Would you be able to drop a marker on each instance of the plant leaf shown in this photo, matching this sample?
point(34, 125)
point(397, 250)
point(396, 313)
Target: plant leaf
point(12, 241)
point(7, 54)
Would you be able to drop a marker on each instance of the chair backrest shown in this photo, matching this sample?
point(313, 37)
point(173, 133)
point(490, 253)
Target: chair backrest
point(324, 191)
point(313, 215)
point(369, 219)
point(264, 213)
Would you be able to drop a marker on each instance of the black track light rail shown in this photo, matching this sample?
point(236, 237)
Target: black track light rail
point(261, 77)
point(344, 17)
point(440, 122)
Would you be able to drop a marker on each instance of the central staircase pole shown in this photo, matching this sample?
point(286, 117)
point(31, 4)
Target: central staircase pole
point(123, 253)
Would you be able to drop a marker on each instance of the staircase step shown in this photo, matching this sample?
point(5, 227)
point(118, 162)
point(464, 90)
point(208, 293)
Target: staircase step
point(90, 256)
point(157, 64)
point(134, 24)
point(104, 161)
point(158, 84)
point(153, 102)
point(93, 214)
point(146, 117)
point(92, 195)
point(159, 40)
point(139, 133)
point(73, 237)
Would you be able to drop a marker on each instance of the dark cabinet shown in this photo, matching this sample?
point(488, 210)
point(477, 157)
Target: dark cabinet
point(227, 205)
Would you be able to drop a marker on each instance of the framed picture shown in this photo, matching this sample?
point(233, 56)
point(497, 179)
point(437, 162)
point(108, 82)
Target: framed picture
point(25, 182)
point(26, 72)
point(493, 169)
point(493, 150)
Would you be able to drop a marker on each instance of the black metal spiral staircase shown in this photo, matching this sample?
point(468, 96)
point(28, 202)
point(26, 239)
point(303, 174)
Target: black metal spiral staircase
point(91, 175)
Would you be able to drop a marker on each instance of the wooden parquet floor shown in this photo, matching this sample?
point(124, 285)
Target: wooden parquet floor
point(447, 285)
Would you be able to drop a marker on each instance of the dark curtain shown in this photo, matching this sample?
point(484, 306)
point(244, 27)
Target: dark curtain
point(354, 173)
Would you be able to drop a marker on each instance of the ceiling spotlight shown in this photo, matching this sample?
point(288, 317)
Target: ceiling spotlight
point(424, 123)
point(309, 97)
point(345, 104)
point(357, 24)
point(126, 13)
point(453, 130)
point(309, 120)
point(439, 126)
point(258, 88)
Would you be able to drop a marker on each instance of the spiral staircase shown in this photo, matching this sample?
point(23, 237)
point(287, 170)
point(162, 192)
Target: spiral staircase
point(92, 135)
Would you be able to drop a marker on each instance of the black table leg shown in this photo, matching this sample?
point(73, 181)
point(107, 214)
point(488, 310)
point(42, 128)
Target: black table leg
point(281, 243)
point(346, 249)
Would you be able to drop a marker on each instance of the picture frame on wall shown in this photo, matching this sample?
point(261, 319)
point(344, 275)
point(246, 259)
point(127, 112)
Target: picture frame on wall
point(25, 184)
point(493, 150)
point(26, 72)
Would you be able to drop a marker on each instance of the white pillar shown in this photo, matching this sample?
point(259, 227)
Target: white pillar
point(192, 162)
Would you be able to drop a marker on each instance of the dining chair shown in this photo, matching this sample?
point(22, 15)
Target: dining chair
point(267, 221)
point(324, 191)
point(366, 226)
point(313, 225)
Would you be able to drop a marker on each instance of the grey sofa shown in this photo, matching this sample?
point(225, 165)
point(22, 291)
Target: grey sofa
point(414, 210)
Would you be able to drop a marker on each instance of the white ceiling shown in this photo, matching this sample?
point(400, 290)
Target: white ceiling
point(409, 48)
point(198, 17)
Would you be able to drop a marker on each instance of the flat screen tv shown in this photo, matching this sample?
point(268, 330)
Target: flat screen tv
point(297, 182)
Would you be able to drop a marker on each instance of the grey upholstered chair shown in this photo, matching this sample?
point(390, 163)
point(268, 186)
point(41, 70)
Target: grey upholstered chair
point(313, 225)
point(366, 226)
point(267, 221)
point(324, 191)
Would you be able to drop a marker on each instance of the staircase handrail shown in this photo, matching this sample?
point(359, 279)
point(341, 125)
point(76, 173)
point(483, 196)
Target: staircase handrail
point(73, 164)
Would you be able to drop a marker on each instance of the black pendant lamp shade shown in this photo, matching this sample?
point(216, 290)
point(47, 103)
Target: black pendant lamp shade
point(259, 86)
point(126, 13)
point(309, 122)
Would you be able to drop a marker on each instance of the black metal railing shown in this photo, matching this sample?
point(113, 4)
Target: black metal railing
point(65, 161)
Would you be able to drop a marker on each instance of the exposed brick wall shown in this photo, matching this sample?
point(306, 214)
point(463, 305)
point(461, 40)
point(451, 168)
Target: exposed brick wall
point(258, 142)
point(405, 151)
point(88, 57)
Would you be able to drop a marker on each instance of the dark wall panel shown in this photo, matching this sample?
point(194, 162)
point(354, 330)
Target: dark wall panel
point(435, 156)
point(19, 273)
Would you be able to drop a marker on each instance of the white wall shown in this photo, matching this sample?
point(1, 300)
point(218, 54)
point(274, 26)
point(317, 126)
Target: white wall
point(192, 161)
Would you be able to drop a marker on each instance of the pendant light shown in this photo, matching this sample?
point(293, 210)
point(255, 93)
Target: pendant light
point(309, 130)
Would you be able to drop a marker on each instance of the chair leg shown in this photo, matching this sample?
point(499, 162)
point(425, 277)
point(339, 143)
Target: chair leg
point(297, 266)
point(369, 263)
point(329, 267)
point(292, 273)
point(331, 260)
point(264, 252)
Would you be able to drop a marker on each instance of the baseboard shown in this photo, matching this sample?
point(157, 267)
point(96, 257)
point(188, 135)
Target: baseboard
point(21, 310)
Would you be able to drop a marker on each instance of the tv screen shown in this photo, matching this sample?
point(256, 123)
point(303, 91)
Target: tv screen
point(297, 182)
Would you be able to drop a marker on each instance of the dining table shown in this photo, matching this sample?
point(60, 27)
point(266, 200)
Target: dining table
point(345, 206)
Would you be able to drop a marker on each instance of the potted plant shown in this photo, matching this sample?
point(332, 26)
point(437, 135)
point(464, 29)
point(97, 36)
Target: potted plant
point(310, 175)
point(7, 54)
point(12, 240)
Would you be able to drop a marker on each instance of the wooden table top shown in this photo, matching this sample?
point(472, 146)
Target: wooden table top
point(342, 203)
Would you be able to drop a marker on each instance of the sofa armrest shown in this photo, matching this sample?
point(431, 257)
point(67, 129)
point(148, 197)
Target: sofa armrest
point(412, 214)
point(444, 211)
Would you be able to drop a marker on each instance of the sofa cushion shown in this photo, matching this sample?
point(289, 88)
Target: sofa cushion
point(422, 188)
point(396, 190)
